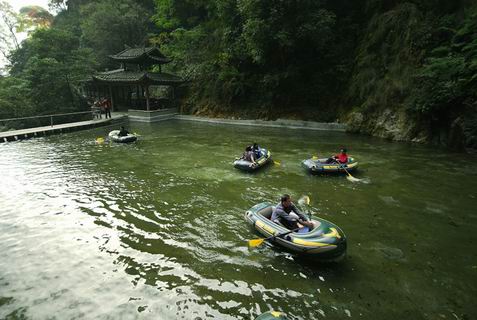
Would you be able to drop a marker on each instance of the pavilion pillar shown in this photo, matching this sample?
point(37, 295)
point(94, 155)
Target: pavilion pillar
point(147, 97)
point(142, 97)
point(111, 97)
point(172, 97)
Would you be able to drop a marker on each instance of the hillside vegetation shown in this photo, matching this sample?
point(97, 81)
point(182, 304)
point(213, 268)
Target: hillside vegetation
point(402, 70)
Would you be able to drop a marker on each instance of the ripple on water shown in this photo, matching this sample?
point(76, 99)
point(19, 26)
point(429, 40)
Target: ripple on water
point(389, 200)
point(388, 252)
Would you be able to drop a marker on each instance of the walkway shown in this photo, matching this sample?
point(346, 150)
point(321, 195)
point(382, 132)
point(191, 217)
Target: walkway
point(59, 128)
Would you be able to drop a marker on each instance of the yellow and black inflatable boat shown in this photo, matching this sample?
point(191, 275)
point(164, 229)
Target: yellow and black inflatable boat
point(246, 165)
point(325, 241)
point(316, 166)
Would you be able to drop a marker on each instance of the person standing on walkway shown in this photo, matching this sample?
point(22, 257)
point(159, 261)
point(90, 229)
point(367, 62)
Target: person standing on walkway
point(107, 108)
point(97, 109)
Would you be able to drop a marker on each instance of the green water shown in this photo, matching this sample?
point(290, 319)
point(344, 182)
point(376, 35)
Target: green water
point(155, 230)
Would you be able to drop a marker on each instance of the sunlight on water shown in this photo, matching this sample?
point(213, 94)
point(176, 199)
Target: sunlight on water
point(155, 229)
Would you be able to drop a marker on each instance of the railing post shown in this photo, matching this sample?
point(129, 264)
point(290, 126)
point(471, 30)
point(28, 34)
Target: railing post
point(51, 120)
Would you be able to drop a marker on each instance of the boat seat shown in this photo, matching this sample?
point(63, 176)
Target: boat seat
point(267, 213)
point(271, 212)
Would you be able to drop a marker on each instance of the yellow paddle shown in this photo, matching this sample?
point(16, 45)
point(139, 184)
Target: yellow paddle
point(305, 200)
point(349, 176)
point(256, 242)
point(277, 163)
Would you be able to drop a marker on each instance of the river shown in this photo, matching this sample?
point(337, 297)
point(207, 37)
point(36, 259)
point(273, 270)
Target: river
point(155, 229)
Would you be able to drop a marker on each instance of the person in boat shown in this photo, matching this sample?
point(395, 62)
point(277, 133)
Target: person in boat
point(340, 158)
point(287, 214)
point(248, 155)
point(123, 132)
point(257, 151)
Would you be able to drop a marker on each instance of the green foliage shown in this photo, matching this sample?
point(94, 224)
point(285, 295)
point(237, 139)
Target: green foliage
point(387, 57)
point(108, 25)
point(440, 83)
point(249, 52)
point(448, 76)
point(14, 99)
point(310, 59)
point(49, 85)
point(172, 14)
point(50, 66)
point(44, 43)
point(34, 16)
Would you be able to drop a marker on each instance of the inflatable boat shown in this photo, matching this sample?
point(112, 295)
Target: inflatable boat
point(246, 165)
point(316, 166)
point(114, 136)
point(325, 241)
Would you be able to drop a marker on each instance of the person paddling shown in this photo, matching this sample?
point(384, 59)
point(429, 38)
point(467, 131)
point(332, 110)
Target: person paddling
point(123, 132)
point(257, 151)
point(248, 155)
point(287, 214)
point(340, 158)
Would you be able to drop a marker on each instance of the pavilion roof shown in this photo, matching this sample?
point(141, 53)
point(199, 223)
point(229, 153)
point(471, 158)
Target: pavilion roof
point(121, 76)
point(148, 55)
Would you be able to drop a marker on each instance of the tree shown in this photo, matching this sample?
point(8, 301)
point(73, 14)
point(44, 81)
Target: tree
point(270, 52)
point(110, 24)
point(34, 17)
point(14, 98)
point(8, 25)
point(54, 66)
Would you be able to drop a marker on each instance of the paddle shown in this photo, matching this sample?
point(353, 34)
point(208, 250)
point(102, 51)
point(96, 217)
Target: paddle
point(349, 176)
point(256, 242)
point(305, 200)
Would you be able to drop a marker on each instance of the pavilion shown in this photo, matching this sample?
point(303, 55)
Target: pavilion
point(130, 85)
